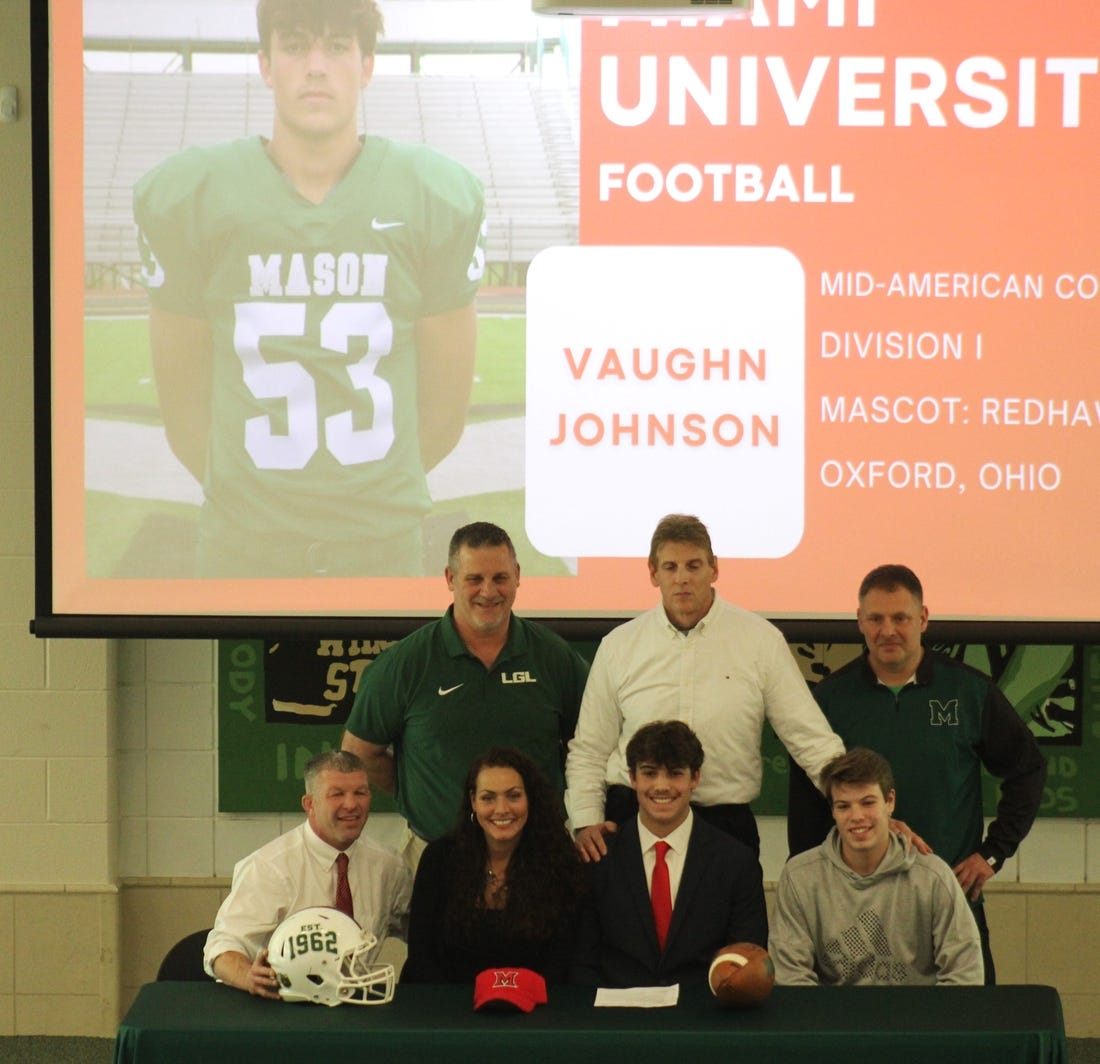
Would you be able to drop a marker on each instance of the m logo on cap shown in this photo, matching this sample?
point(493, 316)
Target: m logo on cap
point(506, 989)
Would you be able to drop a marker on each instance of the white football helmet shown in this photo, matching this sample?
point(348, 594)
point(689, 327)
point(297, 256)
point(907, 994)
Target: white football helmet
point(320, 954)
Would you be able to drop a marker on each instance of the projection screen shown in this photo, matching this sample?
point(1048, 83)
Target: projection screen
point(826, 278)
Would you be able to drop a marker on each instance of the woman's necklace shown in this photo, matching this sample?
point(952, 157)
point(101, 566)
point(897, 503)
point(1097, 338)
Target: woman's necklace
point(496, 886)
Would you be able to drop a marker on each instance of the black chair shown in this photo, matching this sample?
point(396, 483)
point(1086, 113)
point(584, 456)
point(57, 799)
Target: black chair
point(183, 962)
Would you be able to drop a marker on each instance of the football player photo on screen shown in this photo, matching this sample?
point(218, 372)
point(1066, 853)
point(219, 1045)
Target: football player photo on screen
point(311, 321)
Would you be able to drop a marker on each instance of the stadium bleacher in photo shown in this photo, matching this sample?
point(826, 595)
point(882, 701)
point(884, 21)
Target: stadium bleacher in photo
point(516, 134)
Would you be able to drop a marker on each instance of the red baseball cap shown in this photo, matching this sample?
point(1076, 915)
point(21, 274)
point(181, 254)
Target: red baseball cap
point(500, 988)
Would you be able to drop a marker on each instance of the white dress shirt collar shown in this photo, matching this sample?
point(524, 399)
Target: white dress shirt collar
point(700, 625)
point(677, 839)
point(325, 853)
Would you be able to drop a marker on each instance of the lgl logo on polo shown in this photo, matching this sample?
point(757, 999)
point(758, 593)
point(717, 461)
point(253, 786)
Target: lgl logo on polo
point(517, 677)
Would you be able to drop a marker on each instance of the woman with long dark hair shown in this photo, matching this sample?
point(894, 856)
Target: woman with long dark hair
point(502, 888)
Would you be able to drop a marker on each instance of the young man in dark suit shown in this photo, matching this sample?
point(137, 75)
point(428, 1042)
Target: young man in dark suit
point(672, 889)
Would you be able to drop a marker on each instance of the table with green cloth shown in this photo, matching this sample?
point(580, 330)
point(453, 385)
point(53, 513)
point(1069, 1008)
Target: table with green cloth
point(187, 1022)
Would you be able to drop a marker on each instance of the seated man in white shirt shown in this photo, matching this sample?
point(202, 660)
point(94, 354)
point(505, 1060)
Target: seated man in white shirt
point(865, 908)
point(302, 868)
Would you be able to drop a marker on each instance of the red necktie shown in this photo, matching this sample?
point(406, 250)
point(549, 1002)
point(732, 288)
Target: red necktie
point(343, 888)
point(660, 894)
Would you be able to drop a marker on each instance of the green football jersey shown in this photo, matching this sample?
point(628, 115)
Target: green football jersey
point(312, 308)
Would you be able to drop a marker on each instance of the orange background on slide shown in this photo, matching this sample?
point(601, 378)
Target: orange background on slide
point(955, 199)
point(67, 262)
point(1002, 200)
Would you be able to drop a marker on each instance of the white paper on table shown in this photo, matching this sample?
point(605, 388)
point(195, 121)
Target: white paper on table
point(638, 997)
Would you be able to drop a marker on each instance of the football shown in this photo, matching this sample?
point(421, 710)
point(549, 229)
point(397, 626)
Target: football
point(741, 975)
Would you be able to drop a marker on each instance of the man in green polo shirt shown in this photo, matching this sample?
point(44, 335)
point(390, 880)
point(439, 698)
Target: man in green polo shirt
point(478, 677)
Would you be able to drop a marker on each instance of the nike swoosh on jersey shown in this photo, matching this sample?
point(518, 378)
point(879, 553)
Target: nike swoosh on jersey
point(376, 224)
point(447, 690)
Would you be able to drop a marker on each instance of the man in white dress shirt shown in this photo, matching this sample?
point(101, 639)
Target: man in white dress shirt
point(301, 868)
point(718, 668)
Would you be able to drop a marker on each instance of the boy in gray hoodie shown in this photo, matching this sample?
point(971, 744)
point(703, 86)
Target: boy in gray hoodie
point(864, 908)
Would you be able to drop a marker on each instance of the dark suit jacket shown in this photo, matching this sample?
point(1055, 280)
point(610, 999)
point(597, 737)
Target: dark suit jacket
point(720, 900)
